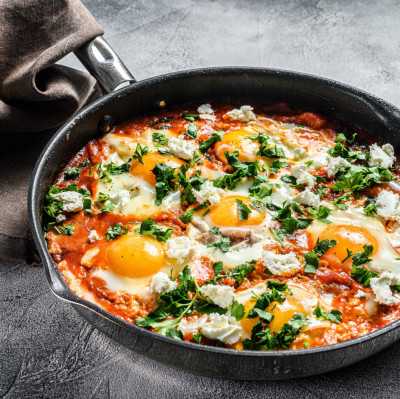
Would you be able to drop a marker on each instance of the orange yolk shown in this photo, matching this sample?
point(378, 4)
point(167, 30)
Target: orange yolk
point(135, 256)
point(237, 140)
point(226, 213)
point(145, 170)
point(347, 237)
point(283, 312)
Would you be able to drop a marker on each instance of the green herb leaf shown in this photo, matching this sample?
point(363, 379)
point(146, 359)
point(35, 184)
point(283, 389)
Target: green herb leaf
point(149, 228)
point(190, 117)
point(243, 210)
point(140, 151)
point(312, 258)
point(192, 130)
point(237, 310)
point(187, 216)
point(115, 231)
point(165, 181)
point(334, 315)
point(159, 139)
point(215, 137)
point(67, 229)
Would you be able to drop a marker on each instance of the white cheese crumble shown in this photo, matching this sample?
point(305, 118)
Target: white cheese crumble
point(222, 327)
point(281, 264)
point(93, 236)
point(381, 288)
point(120, 198)
point(191, 325)
point(161, 283)
point(184, 149)
point(335, 165)
point(381, 156)
point(302, 176)
point(60, 218)
point(279, 196)
point(206, 112)
point(387, 203)
point(179, 247)
point(71, 200)
point(208, 192)
point(221, 295)
point(319, 160)
point(308, 198)
point(243, 114)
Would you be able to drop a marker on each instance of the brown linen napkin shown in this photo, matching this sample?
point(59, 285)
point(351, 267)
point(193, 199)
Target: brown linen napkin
point(35, 94)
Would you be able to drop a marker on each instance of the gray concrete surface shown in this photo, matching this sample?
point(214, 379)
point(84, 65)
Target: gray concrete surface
point(46, 350)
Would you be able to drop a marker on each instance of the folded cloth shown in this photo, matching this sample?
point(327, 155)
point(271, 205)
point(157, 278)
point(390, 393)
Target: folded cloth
point(35, 94)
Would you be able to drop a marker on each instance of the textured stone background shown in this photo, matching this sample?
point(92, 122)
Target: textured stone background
point(46, 350)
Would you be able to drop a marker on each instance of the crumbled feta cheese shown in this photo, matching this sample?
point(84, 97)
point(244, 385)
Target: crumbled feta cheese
point(281, 264)
point(395, 238)
point(319, 160)
point(308, 198)
point(71, 200)
point(208, 192)
point(221, 295)
point(161, 283)
point(335, 165)
point(184, 149)
point(191, 325)
point(387, 204)
point(120, 198)
point(381, 288)
point(60, 218)
point(279, 196)
point(244, 114)
point(205, 109)
point(381, 156)
point(302, 176)
point(93, 236)
point(206, 112)
point(179, 247)
point(222, 327)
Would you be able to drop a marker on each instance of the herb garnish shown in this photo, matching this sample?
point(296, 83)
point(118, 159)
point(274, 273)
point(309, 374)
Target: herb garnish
point(165, 181)
point(312, 258)
point(149, 228)
point(215, 137)
point(66, 229)
point(243, 210)
point(334, 315)
point(140, 151)
point(115, 231)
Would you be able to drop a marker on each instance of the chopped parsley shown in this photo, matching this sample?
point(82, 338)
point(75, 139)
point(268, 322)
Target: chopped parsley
point(359, 272)
point(239, 273)
point(243, 210)
point(334, 315)
point(188, 184)
point(312, 258)
point(269, 149)
point(190, 116)
point(159, 139)
point(215, 137)
point(370, 208)
point(106, 204)
point(237, 310)
point(222, 243)
point(276, 165)
point(191, 130)
point(140, 151)
point(165, 181)
point(360, 178)
point(66, 229)
point(72, 173)
point(115, 231)
point(260, 188)
point(107, 170)
point(149, 228)
point(290, 224)
point(240, 171)
point(187, 216)
point(321, 213)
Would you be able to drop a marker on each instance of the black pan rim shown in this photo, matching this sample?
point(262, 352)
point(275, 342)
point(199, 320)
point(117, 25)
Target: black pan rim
point(69, 296)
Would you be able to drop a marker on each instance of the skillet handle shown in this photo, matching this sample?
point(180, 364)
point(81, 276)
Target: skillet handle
point(104, 64)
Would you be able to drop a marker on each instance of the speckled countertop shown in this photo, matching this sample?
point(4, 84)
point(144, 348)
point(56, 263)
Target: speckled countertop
point(46, 349)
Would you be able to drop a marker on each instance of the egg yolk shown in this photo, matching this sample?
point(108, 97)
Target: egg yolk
point(226, 213)
point(283, 312)
point(348, 237)
point(145, 170)
point(135, 256)
point(237, 140)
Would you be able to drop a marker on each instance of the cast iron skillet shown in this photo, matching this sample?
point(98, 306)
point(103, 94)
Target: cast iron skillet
point(128, 98)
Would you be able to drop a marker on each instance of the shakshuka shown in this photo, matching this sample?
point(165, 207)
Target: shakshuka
point(246, 227)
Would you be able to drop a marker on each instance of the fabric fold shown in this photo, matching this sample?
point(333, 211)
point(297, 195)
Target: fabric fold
point(36, 94)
